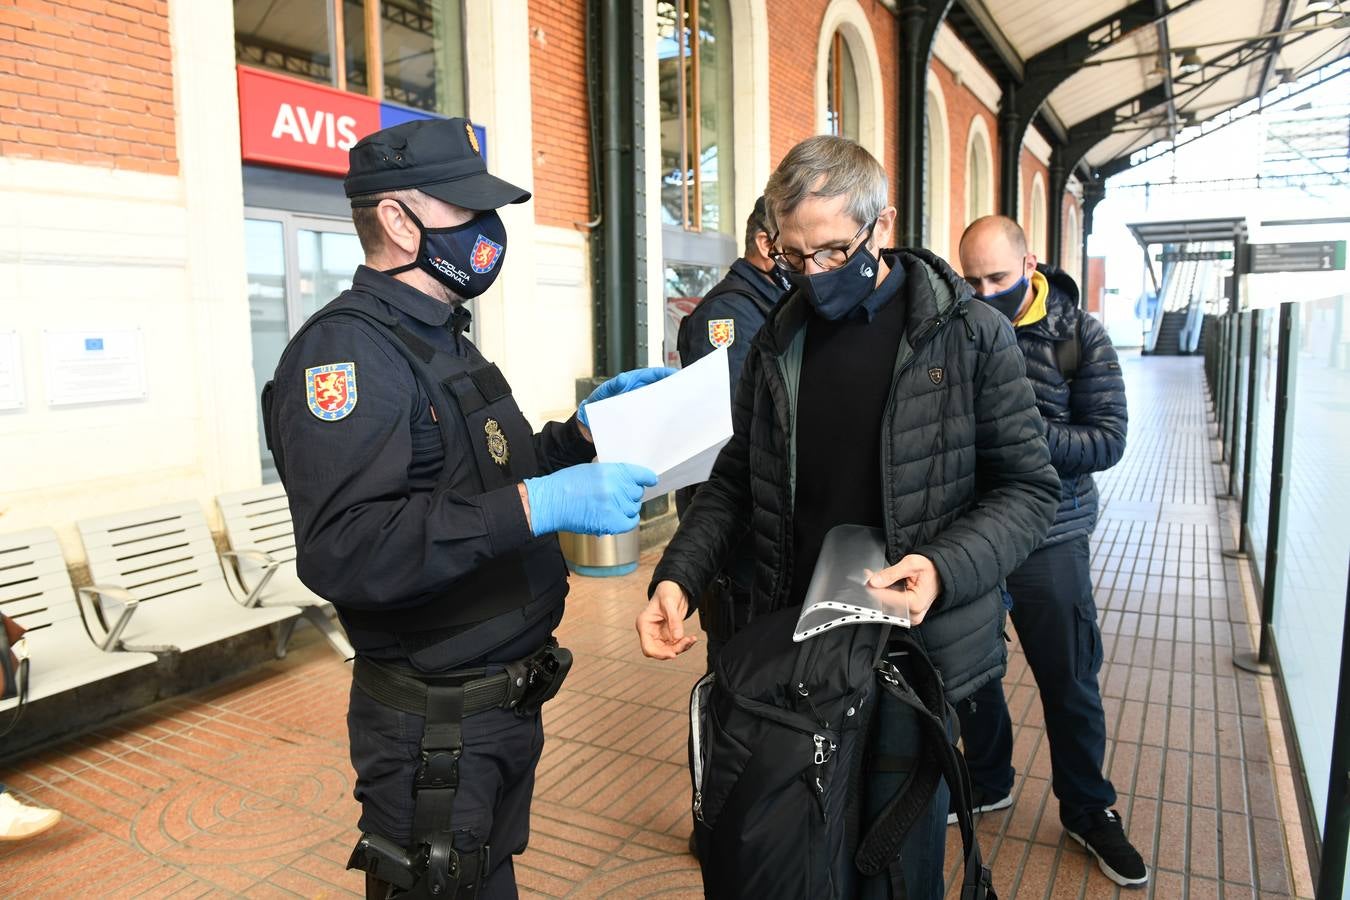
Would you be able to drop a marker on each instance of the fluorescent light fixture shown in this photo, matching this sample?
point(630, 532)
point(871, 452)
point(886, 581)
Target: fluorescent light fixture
point(1190, 62)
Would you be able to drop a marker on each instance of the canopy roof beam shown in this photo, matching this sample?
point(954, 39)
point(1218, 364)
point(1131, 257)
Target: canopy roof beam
point(1049, 69)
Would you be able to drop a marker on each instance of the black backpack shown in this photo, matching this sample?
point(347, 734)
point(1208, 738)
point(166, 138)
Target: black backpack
point(779, 753)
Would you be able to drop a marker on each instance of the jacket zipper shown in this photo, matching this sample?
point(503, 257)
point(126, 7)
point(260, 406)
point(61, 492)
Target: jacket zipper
point(696, 735)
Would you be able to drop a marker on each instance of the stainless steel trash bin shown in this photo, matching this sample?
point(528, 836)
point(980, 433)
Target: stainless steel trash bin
point(612, 554)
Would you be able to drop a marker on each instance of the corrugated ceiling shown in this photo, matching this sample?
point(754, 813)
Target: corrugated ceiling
point(1222, 32)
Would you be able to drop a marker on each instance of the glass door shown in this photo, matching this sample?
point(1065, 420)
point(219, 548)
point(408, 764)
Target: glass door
point(296, 264)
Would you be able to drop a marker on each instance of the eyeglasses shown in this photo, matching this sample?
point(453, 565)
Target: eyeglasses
point(826, 258)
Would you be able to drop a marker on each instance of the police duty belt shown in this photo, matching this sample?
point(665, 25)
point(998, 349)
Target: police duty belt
point(524, 685)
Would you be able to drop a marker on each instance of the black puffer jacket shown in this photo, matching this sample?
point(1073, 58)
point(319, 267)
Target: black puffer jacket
point(965, 467)
point(1085, 417)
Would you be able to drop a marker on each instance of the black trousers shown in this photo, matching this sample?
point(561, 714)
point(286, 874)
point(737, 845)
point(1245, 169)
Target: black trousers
point(496, 781)
point(1056, 621)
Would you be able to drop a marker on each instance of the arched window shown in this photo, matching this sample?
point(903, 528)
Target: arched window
point(1036, 218)
point(841, 82)
point(848, 78)
point(694, 53)
point(937, 172)
point(1072, 251)
point(979, 172)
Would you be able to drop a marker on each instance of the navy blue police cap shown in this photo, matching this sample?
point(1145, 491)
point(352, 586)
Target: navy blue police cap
point(435, 156)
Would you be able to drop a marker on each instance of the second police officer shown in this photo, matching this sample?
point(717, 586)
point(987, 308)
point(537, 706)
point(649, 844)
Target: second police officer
point(425, 510)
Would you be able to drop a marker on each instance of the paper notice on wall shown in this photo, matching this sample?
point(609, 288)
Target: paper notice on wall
point(11, 371)
point(102, 366)
point(675, 427)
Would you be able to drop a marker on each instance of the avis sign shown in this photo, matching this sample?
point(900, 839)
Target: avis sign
point(297, 124)
point(292, 123)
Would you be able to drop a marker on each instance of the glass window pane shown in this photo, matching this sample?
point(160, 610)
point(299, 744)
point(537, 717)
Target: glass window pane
point(1245, 325)
point(672, 52)
point(265, 259)
point(290, 37)
point(354, 45)
point(715, 100)
point(1263, 436)
point(1315, 533)
point(326, 262)
point(977, 179)
point(1038, 222)
point(685, 285)
point(848, 99)
point(423, 65)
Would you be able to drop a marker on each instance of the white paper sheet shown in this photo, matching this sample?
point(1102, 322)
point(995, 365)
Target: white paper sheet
point(675, 427)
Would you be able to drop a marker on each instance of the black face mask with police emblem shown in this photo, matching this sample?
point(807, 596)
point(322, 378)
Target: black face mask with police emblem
point(465, 258)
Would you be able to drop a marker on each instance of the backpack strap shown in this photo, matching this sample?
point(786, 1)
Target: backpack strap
point(1068, 353)
point(940, 759)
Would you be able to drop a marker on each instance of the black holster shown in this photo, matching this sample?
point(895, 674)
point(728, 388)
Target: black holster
point(432, 869)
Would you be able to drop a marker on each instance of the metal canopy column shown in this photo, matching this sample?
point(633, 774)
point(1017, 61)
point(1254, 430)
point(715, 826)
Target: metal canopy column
point(917, 26)
point(1094, 190)
point(621, 330)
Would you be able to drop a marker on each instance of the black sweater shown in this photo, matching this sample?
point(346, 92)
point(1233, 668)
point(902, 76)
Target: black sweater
point(846, 378)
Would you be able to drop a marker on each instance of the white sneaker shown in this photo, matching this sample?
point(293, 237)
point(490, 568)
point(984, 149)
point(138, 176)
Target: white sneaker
point(18, 821)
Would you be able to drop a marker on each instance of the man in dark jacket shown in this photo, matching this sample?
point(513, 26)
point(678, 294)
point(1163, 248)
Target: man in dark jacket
point(1081, 395)
point(875, 394)
point(730, 316)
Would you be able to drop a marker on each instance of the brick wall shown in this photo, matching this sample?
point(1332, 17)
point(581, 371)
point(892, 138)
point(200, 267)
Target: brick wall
point(89, 82)
point(883, 32)
point(794, 36)
point(794, 32)
point(962, 108)
point(562, 156)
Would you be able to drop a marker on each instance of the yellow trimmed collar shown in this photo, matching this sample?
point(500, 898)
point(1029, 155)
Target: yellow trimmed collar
point(1035, 310)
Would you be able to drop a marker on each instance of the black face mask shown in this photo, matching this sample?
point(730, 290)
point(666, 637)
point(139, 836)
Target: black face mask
point(1009, 300)
point(837, 292)
point(465, 258)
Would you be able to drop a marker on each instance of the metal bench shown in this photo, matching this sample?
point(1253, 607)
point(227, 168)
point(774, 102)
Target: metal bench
point(35, 591)
point(260, 564)
point(159, 586)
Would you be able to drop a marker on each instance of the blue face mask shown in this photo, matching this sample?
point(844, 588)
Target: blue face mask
point(465, 258)
point(1009, 300)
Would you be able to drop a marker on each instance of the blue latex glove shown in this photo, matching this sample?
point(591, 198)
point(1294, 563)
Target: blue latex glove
point(593, 498)
point(622, 384)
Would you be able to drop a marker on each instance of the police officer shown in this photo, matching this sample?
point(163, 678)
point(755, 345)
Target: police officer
point(729, 316)
point(425, 510)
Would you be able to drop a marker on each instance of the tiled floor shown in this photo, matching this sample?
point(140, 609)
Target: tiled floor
point(244, 789)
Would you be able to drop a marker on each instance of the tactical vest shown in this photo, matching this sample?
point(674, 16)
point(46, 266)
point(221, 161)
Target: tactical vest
point(506, 595)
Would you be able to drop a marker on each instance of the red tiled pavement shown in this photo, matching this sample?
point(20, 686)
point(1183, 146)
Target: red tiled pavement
point(244, 789)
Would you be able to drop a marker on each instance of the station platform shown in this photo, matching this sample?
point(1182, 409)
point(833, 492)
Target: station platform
point(244, 789)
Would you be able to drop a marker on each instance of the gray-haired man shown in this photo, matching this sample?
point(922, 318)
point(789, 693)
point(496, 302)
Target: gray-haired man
point(876, 394)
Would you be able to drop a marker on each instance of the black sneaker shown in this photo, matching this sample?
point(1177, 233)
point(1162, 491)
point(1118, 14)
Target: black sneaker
point(1105, 839)
point(983, 803)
